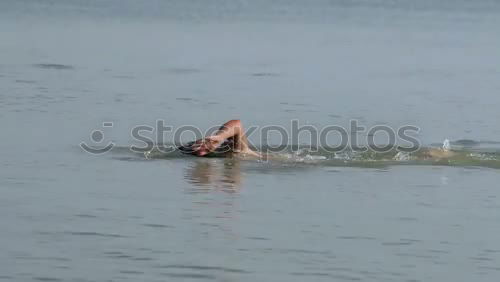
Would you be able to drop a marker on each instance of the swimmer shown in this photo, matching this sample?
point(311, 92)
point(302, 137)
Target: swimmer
point(230, 140)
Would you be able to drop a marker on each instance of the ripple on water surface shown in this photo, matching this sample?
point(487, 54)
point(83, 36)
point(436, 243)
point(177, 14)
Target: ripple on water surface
point(54, 66)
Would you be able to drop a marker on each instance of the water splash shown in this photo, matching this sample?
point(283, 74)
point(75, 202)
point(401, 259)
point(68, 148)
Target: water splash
point(449, 153)
point(446, 145)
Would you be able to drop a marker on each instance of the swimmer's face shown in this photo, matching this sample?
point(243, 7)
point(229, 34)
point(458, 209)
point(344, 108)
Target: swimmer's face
point(198, 150)
point(204, 147)
point(202, 152)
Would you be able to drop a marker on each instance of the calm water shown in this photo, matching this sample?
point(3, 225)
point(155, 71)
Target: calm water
point(68, 66)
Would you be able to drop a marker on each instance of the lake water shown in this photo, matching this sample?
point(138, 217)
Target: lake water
point(67, 67)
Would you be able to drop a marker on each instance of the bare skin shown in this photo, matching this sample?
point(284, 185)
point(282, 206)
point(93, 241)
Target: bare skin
point(231, 138)
point(230, 135)
point(438, 154)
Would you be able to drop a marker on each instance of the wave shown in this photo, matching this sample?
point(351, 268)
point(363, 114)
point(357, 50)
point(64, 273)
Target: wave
point(462, 153)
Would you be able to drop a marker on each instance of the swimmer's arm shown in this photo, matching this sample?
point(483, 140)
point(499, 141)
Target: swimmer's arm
point(232, 128)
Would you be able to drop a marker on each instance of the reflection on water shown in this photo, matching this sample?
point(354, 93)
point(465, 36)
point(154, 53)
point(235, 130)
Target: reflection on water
point(310, 216)
point(215, 213)
point(214, 174)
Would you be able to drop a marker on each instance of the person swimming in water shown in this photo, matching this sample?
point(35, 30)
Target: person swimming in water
point(230, 140)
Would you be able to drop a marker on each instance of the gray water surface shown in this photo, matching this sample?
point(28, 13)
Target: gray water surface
point(68, 66)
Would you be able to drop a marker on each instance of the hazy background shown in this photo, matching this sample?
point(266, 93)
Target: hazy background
point(68, 66)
